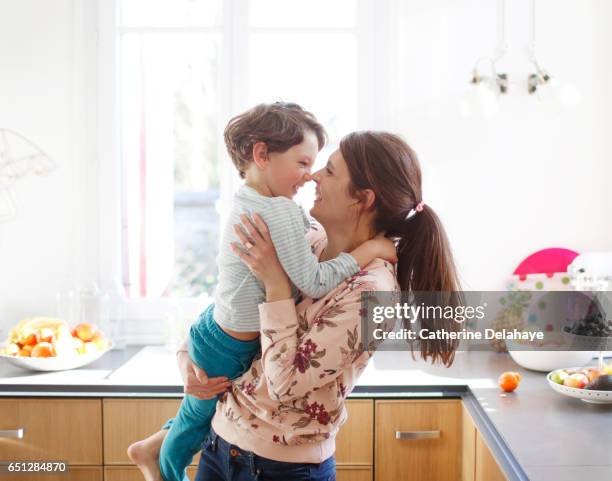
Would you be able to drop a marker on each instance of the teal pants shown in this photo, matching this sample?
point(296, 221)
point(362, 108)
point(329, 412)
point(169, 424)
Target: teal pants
point(219, 354)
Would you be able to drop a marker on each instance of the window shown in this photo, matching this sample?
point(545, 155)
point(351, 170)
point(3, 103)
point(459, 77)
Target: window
point(169, 85)
point(299, 53)
point(183, 69)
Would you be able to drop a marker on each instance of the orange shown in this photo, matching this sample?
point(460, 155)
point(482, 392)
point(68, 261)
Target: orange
point(23, 353)
point(591, 373)
point(85, 331)
point(31, 340)
point(101, 343)
point(47, 335)
point(509, 381)
point(43, 349)
point(89, 348)
point(77, 344)
point(97, 336)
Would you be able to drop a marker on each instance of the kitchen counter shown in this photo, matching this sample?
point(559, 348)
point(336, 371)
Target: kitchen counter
point(534, 433)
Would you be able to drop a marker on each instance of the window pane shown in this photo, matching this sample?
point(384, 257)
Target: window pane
point(170, 139)
point(319, 72)
point(171, 13)
point(300, 13)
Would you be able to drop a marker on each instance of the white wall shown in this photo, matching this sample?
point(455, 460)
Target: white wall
point(528, 178)
point(504, 188)
point(47, 93)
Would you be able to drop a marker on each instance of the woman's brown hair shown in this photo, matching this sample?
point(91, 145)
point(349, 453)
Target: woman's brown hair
point(384, 163)
point(280, 125)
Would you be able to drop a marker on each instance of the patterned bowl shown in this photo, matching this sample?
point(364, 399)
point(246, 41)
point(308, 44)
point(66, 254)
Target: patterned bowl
point(586, 395)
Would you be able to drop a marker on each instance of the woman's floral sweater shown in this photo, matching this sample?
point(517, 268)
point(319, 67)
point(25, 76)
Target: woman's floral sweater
point(291, 403)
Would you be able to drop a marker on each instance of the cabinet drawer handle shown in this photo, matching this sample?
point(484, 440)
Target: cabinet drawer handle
point(417, 434)
point(12, 433)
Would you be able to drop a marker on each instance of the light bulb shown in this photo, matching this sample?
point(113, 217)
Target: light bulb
point(557, 95)
point(479, 101)
point(570, 95)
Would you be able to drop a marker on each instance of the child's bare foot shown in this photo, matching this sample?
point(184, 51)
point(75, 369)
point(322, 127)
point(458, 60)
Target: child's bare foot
point(145, 455)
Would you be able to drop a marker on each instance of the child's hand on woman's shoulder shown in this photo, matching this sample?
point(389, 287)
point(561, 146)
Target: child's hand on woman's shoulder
point(383, 248)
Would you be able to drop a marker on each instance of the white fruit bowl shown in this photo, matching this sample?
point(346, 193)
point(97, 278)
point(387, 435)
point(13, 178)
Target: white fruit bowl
point(586, 395)
point(62, 363)
point(548, 360)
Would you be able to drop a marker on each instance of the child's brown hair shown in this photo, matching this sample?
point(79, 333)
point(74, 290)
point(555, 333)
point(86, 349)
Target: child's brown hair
point(280, 126)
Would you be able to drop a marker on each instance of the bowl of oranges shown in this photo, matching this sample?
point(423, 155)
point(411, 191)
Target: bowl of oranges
point(48, 344)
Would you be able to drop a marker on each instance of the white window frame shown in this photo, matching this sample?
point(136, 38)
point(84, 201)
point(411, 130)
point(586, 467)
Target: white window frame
point(376, 51)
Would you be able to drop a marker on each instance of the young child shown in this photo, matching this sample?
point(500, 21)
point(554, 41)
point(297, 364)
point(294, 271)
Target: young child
point(273, 146)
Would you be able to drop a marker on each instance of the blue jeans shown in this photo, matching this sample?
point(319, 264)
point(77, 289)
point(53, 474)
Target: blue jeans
point(222, 461)
point(218, 354)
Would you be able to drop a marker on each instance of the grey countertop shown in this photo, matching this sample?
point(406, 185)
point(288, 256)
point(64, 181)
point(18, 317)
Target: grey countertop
point(534, 433)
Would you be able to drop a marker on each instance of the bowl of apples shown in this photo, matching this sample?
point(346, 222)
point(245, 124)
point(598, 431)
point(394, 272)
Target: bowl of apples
point(48, 344)
point(589, 384)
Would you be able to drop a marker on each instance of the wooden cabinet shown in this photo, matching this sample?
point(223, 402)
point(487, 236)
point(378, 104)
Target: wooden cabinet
point(417, 440)
point(383, 440)
point(131, 473)
point(53, 430)
point(468, 446)
point(129, 420)
point(487, 468)
point(478, 464)
point(363, 473)
point(442, 443)
point(71, 430)
point(355, 442)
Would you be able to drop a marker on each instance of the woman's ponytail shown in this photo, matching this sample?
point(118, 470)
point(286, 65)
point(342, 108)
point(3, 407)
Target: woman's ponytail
point(384, 163)
point(425, 261)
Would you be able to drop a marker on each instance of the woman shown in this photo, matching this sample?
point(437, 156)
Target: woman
point(280, 419)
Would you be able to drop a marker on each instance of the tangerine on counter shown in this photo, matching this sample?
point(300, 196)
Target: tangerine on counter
point(509, 381)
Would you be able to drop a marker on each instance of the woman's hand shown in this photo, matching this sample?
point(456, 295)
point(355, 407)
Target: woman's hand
point(195, 381)
point(257, 251)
